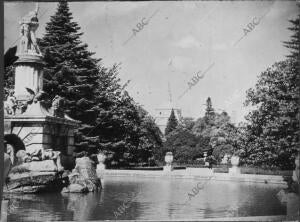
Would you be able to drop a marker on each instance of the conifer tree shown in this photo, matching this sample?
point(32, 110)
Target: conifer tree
point(71, 72)
point(294, 43)
point(209, 112)
point(171, 124)
point(94, 95)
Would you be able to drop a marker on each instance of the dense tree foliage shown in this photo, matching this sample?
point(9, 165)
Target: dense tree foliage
point(212, 133)
point(273, 127)
point(185, 146)
point(271, 137)
point(150, 146)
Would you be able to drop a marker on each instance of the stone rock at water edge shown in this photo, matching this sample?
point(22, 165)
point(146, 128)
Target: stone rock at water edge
point(84, 175)
point(75, 188)
point(34, 182)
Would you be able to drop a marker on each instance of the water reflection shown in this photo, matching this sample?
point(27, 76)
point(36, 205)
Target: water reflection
point(83, 206)
point(154, 198)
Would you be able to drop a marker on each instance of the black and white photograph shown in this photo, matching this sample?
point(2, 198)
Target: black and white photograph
point(150, 111)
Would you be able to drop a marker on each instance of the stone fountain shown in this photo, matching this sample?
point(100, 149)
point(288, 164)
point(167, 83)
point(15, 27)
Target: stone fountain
point(40, 139)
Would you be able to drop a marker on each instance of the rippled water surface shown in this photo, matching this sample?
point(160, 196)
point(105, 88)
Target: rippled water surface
point(150, 198)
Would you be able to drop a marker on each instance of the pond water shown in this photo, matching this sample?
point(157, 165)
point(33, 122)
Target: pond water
point(150, 198)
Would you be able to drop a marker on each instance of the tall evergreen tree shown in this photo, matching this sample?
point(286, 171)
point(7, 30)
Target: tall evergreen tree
point(294, 43)
point(71, 72)
point(172, 123)
point(209, 112)
point(126, 133)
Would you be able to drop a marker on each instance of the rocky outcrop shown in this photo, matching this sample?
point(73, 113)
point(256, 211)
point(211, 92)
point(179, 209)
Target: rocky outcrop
point(34, 182)
point(83, 178)
point(47, 175)
point(35, 176)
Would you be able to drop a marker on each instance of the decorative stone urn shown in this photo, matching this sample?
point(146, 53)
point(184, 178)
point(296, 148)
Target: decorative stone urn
point(235, 160)
point(205, 156)
point(225, 159)
point(168, 160)
point(100, 166)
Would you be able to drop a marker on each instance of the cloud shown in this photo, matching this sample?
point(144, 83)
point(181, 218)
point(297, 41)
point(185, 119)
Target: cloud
point(180, 63)
point(220, 46)
point(188, 42)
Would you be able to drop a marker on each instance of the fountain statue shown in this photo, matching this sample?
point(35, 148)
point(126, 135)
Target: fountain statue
point(29, 25)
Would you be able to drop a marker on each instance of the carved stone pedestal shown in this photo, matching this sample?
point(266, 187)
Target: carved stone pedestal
point(168, 160)
point(234, 170)
point(41, 132)
point(168, 168)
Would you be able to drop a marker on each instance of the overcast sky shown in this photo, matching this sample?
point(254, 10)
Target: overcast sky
point(179, 40)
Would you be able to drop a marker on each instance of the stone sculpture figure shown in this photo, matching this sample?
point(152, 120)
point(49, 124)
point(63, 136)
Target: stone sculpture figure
point(57, 106)
point(10, 104)
point(29, 25)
